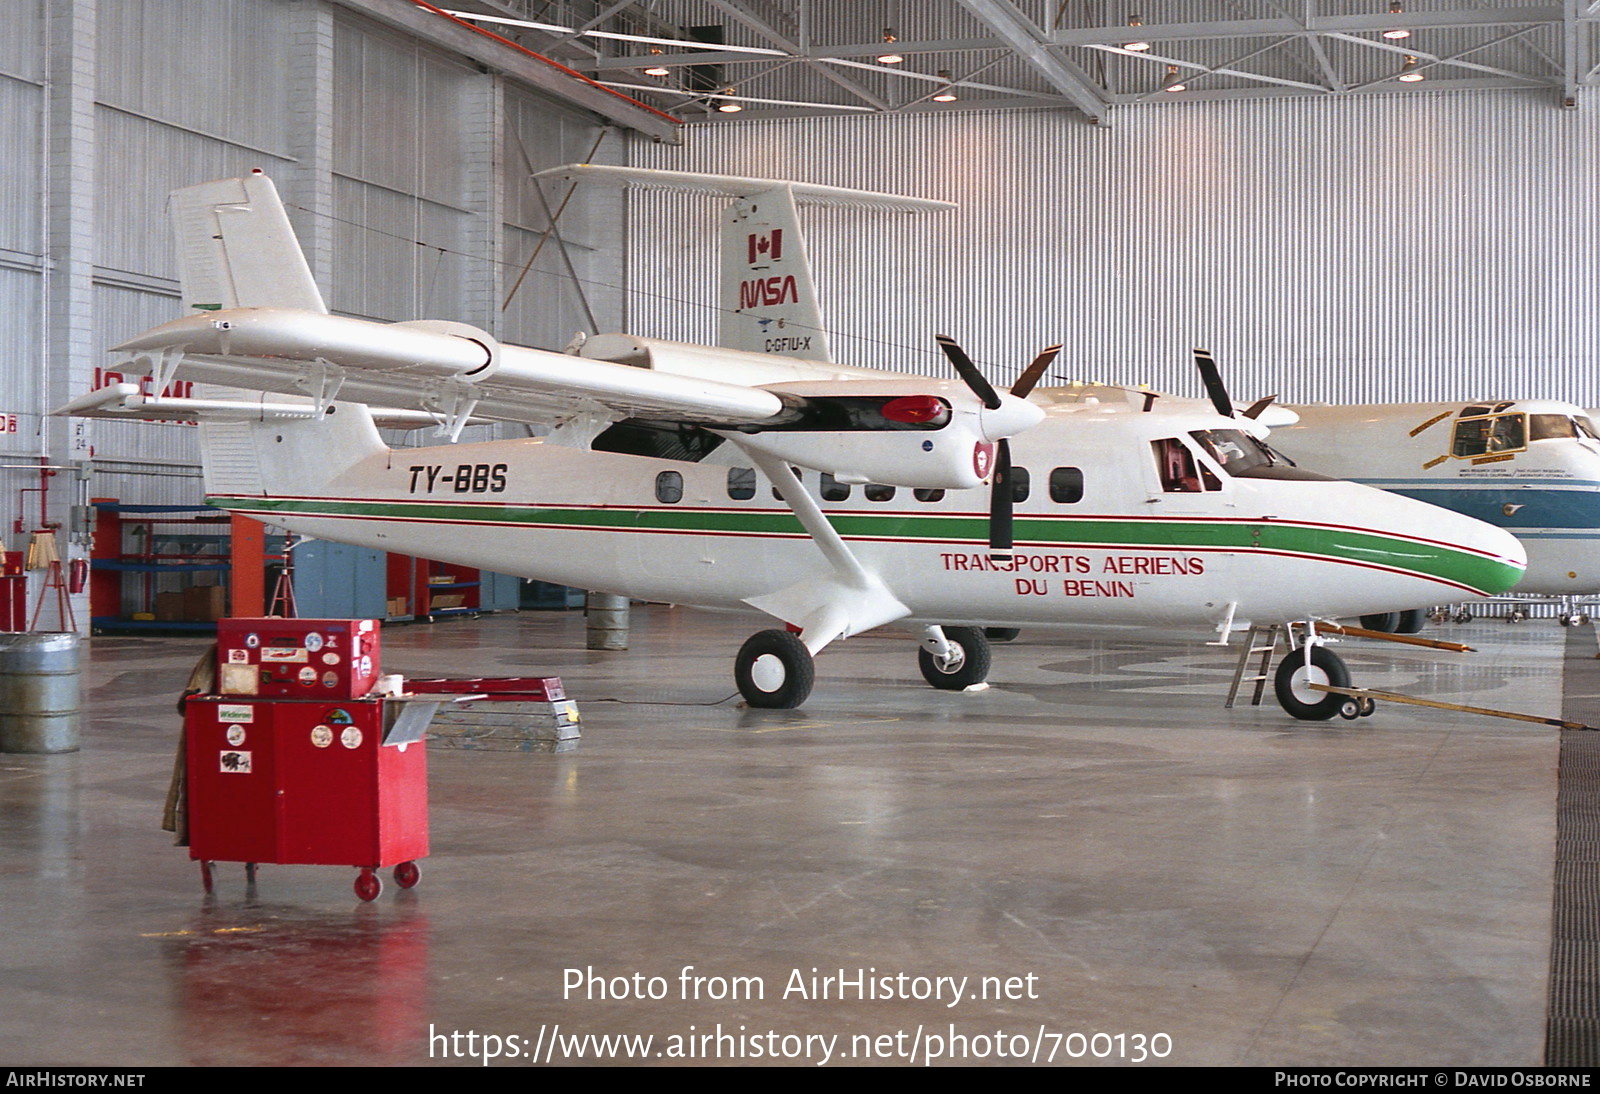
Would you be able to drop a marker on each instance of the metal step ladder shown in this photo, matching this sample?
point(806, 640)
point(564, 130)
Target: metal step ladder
point(1263, 641)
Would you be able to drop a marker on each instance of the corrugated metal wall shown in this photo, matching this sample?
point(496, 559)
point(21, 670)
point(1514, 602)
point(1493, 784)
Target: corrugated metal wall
point(1362, 249)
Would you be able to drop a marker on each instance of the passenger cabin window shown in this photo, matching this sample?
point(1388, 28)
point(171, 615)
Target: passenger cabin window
point(833, 489)
point(928, 495)
point(1490, 435)
point(1180, 472)
point(741, 483)
point(1019, 484)
point(1066, 485)
point(877, 492)
point(669, 487)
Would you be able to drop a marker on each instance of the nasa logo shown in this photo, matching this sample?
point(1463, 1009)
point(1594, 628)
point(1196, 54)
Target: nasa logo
point(764, 292)
point(982, 458)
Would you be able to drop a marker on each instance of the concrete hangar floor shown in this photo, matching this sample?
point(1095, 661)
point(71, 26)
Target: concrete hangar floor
point(1090, 862)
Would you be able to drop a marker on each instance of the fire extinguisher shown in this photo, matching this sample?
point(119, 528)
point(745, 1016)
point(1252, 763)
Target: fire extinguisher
point(78, 575)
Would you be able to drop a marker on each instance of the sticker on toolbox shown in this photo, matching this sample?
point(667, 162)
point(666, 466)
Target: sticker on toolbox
point(308, 675)
point(337, 717)
point(235, 712)
point(252, 640)
point(321, 736)
point(238, 657)
point(330, 679)
point(330, 659)
point(351, 737)
point(274, 654)
point(313, 641)
point(234, 763)
point(236, 736)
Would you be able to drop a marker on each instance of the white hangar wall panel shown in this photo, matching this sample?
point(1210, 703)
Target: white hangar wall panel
point(547, 307)
point(1360, 249)
point(401, 114)
point(21, 237)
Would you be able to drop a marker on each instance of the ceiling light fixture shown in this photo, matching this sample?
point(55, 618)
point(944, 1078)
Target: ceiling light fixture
point(727, 105)
point(1173, 82)
point(657, 70)
point(1408, 71)
point(889, 56)
point(1396, 33)
point(1135, 47)
point(947, 93)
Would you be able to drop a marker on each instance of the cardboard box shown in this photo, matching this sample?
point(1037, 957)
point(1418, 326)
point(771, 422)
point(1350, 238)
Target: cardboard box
point(169, 607)
point(204, 603)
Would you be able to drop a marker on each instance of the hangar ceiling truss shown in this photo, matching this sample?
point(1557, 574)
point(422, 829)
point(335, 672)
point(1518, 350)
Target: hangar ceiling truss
point(692, 59)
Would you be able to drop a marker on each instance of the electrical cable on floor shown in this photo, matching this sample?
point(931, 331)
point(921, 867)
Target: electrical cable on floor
point(661, 702)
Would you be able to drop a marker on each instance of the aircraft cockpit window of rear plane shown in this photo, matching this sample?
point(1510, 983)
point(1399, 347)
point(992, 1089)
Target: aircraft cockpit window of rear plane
point(1489, 435)
point(1559, 427)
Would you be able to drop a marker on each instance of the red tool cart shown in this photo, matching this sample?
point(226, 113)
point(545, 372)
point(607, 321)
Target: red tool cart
point(316, 782)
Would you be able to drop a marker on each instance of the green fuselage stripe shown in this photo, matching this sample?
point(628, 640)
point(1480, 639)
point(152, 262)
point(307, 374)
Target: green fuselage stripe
point(1436, 560)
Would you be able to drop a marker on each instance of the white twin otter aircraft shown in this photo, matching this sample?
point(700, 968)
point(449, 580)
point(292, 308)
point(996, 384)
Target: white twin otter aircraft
point(761, 475)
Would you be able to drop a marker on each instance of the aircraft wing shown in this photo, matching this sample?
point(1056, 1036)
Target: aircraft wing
point(448, 369)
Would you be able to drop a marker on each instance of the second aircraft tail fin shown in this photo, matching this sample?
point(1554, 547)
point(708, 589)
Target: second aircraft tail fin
point(236, 248)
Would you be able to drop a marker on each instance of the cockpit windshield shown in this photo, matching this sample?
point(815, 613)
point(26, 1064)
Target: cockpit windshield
point(1550, 427)
point(1244, 457)
point(1237, 451)
point(1490, 434)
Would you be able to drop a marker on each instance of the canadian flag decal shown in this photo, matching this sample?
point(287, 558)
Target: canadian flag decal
point(767, 245)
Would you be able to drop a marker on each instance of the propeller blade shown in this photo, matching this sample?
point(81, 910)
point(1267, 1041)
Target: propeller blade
point(1211, 377)
point(969, 372)
point(1000, 502)
point(1035, 372)
point(1253, 411)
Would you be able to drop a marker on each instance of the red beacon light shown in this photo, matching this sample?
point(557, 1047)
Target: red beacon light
point(917, 409)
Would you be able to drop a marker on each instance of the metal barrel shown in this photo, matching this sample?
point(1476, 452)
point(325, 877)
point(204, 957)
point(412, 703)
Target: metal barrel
point(608, 621)
point(40, 695)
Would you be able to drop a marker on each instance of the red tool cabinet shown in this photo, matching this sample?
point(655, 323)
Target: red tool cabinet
point(336, 782)
point(297, 658)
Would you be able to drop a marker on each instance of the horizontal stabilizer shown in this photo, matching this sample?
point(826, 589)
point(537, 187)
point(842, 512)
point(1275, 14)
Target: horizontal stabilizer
point(805, 193)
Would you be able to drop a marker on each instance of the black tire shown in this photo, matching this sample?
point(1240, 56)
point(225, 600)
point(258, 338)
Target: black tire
point(1001, 634)
point(973, 668)
point(774, 670)
point(1326, 668)
point(1411, 622)
point(1387, 622)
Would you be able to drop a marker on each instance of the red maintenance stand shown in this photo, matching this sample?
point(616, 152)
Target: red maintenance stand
point(297, 763)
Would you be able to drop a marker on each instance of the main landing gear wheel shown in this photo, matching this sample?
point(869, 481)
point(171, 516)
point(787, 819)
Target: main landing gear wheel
point(1387, 622)
point(969, 664)
point(774, 670)
point(1289, 684)
point(1411, 622)
point(1001, 634)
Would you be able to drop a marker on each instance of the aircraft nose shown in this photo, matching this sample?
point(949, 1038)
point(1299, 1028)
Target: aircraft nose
point(1472, 553)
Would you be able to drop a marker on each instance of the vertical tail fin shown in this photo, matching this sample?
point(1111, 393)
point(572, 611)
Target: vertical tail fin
point(769, 302)
point(236, 248)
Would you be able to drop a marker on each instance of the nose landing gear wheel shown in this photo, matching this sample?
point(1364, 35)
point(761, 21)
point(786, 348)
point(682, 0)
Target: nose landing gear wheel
point(969, 666)
point(1289, 684)
point(774, 670)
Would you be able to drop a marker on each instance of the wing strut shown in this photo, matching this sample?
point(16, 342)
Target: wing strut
point(850, 599)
